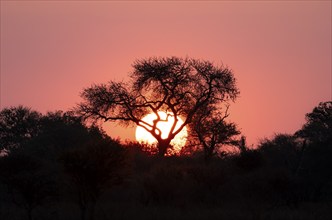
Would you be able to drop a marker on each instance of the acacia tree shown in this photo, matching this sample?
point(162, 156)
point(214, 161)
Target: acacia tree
point(179, 87)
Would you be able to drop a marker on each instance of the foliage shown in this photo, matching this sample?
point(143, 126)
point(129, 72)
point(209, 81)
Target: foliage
point(17, 126)
point(318, 127)
point(26, 169)
point(282, 151)
point(210, 130)
point(28, 183)
point(285, 177)
point(179, 87)
point(92, 169)
point(61, 131)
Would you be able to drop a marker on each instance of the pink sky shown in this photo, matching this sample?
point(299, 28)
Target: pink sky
point(280, 52)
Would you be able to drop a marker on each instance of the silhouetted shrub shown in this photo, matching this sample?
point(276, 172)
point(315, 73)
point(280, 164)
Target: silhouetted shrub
point(249, 160)
point(282, 151)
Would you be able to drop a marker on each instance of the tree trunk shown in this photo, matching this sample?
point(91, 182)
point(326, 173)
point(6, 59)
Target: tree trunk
point(92, 210)
point(83, 212)
point(29, 213)
point(208, 153)
point(163, 145)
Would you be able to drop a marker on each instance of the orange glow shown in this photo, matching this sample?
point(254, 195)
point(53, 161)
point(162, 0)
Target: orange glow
point(165, 126)
point(280, 52)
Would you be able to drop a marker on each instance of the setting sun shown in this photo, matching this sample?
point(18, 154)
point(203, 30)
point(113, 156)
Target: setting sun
point(144, 136)
point(165, 109)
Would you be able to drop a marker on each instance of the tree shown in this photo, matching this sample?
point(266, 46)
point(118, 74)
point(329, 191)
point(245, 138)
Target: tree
point(17, 126)
point(211, 131)
point(28, 183)
point(61, 131)
point(317, 150)
point(318, 127)
point(179, 87)
point(93, 168)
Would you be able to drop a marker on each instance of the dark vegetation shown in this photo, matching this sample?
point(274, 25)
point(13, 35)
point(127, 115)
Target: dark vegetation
point(58, 166)
point(66, 170)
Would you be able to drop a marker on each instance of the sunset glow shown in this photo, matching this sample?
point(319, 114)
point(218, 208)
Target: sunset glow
point(280, 52)
point(144, 136)
point(169, 109)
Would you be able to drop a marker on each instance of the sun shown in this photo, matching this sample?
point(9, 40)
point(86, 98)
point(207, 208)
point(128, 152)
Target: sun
point(144, 136)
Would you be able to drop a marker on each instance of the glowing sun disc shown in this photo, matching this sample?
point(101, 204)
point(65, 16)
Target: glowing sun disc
point(144, 136)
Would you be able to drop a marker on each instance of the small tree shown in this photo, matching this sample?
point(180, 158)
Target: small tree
point(179, 87)
point(211, 131)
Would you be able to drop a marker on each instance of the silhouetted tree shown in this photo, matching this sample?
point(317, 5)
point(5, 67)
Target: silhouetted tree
point(179, 87)
point(315, 171)
point(56, 132)
point(318, 127)
point(242, 144)
point(17, 126)
point(27, 182)
point(60, 131)
point(92, 169)
point(317, 151)
point(211, 131)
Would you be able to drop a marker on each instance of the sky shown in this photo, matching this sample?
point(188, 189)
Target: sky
point(279, 51)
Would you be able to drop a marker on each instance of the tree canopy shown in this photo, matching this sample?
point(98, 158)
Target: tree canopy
point(17, 126)
point(180, 87)
point(318, 126)
point(211, 131)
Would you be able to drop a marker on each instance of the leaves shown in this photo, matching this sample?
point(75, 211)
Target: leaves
point(17, 125)
point(318, 127)
point(180, 87)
